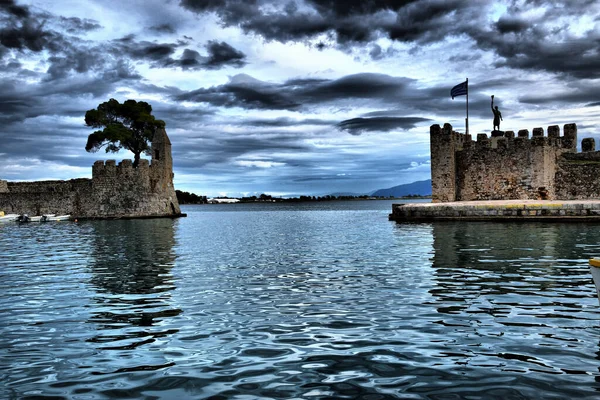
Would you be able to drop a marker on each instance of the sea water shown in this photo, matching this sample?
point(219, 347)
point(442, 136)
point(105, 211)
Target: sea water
point(310, 300)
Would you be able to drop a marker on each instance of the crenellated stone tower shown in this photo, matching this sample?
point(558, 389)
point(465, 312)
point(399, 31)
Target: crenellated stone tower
point(162, 162)
point(115, 190)
point(506, 167)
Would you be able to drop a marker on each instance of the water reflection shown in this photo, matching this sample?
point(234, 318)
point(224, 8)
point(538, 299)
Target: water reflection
point(298, 304)
point(131, 271)
point(517, 298)
point(510, 258)
point(133, 256)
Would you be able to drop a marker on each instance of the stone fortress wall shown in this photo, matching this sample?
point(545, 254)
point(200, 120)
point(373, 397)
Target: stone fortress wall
point(115, 191)
point(506, 166)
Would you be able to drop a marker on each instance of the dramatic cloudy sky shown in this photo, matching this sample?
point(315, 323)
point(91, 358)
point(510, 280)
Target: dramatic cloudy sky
point(289, 96)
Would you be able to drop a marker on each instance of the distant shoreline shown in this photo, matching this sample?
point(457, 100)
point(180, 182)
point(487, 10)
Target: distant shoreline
point(190, 198)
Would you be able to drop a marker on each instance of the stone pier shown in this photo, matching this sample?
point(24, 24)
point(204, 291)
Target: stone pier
point(498, 210)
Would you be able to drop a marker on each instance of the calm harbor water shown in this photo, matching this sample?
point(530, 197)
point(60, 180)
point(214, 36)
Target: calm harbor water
point(313, 300)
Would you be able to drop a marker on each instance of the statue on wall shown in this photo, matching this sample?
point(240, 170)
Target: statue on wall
point(497, 115)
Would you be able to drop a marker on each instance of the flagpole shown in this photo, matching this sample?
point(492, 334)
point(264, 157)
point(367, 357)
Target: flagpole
point(467, 121)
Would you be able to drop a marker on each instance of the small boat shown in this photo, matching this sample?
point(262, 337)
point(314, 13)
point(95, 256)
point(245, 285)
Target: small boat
point(38, 218)
point(54, 217)
point(595, 269)
point(9, 218)
point(23, 218)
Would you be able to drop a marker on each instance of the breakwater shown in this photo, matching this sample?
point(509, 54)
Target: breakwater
point(499, 210)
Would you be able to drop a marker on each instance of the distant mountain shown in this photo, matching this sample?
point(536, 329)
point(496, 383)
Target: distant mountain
point(421, 188)
point(338, 194)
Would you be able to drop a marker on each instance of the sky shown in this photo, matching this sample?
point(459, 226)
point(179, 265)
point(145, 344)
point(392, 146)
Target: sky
point(289, 97)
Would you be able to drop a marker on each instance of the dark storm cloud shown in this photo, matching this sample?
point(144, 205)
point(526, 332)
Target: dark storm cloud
point(354, 21)
point(179, 117)
point(357, 86)
point(511, 25)
point(356, 7)
point(79, 61)
point(247, 92)
point(349, 21)
point(163, 28)
point(436, 100)
point(190, 59)
point(24, 30)
point(16, 104)
point(98, 60)
point(431, 21)
point(220, 54)
point(28, 33)
point(467, 58)
point(241, 91)
point(576, 94)
point(543, 42)
point(378, 53)
point(358, 89)
point(50, 138)
point(532, 35)
point(220, 149)
point(121, 70)
point(79, 25)
point(10, 7)
point(20, 100)
point(240, 145)
point(285, 22)
point(153, 51)
point(144, 50)
point(356, 126)
point(579, 59)
point(284, 122)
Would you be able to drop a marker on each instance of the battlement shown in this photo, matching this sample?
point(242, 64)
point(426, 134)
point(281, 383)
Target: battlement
point(507, 139)
point(125, 167)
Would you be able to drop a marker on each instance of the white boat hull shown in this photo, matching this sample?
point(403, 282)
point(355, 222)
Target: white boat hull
point(53, 217)
point(9, 218)
point(39, 218)
point(595, 269)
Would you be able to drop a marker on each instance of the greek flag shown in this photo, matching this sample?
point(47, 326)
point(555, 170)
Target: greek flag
point(460, 90)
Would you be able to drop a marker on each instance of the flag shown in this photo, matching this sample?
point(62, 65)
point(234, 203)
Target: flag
point(460, 90)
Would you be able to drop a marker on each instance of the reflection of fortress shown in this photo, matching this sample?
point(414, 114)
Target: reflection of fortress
point(481, 258)
point(130, 264)
point(132, 257)
point(506, 167)
point(115, 191)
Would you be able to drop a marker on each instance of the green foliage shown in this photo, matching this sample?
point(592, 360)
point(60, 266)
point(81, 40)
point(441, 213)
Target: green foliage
point(129, 126)
point(190, 198)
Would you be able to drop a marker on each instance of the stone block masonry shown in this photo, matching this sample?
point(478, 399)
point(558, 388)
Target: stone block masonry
point(499, 210)
point(506, 166)
point(115, 190)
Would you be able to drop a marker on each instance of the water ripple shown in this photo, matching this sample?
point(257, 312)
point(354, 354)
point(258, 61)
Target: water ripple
point(298, 302)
